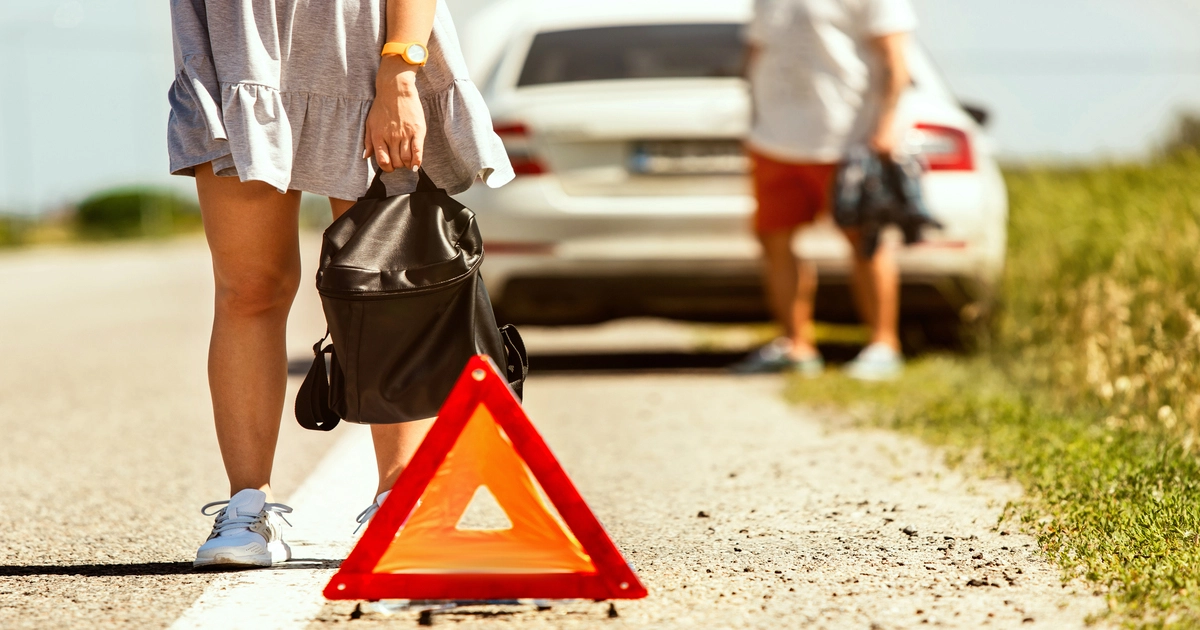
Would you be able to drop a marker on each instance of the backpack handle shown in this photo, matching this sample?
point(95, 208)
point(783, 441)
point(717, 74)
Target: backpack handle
point(379, 191)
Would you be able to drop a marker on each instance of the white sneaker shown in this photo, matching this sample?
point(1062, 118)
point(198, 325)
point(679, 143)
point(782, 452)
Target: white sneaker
point(366, 515)
point(877, 362)
point(247, 533)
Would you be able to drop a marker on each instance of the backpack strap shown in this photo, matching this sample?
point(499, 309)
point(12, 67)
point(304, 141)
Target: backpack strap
point(313, 410)
point(378, 190)
point(516, 359)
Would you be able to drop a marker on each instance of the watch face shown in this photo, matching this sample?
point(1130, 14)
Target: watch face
point(415, 53)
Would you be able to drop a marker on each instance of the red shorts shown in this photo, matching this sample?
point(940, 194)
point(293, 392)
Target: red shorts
point(789, 194)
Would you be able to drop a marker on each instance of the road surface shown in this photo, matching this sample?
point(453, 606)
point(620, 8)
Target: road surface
point(736, 510)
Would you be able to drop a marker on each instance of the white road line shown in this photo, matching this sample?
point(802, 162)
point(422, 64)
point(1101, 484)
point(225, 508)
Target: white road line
point(290, 597)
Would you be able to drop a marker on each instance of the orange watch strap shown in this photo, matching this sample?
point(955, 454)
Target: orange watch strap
point(401, 49)
point(394, 48)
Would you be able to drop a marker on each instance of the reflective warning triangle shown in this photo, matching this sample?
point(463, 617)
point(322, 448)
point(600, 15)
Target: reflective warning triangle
point(415, 548)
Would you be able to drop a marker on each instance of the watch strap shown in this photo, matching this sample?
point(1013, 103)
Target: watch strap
point(401, 49)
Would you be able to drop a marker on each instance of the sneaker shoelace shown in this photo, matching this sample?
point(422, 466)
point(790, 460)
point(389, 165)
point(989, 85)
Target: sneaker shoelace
point(365, 516)
point(225, 522)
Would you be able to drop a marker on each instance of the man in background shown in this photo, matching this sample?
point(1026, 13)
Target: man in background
point(825, 75)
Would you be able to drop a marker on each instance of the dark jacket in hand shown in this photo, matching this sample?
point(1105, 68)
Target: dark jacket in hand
point(872, 192)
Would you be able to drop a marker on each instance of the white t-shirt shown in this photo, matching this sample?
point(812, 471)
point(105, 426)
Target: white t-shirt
point(816, 83)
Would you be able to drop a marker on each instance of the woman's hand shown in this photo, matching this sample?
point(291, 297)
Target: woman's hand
point(395, 133)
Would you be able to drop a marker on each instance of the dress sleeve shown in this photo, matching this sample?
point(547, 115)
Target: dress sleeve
point(885, 17)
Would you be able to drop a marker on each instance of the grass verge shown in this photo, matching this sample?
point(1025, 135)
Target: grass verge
point(1117, 507)
point(1089, 395)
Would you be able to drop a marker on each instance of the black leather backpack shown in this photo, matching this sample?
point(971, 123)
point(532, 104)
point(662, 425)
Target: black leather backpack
point(406, 307)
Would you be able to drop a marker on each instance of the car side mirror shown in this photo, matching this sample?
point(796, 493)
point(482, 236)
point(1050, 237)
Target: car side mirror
point(977, 113)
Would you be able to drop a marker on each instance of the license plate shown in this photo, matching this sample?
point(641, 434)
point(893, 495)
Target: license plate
point(688, 157)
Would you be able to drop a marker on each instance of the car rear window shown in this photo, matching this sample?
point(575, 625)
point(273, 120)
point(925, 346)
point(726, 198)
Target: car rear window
point(657, 51)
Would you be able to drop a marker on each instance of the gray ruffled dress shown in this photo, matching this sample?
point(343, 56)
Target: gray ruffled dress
point(278, 91)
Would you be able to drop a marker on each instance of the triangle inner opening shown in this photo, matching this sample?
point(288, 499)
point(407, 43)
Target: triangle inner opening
point(484, 513)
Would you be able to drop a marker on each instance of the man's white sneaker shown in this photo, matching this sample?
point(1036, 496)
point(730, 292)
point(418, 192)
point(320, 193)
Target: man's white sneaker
point(366, 515)
point(247, 533)
point(877, 362)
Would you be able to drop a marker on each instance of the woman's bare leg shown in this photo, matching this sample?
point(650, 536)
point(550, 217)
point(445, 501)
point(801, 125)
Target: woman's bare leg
point(252, 231)
point(395, 444)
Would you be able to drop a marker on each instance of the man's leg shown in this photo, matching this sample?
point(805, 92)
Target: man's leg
point(789, 197)
point(791, 286)
point(876, 286)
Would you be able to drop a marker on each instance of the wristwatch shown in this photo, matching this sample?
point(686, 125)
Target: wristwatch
point(414, 53)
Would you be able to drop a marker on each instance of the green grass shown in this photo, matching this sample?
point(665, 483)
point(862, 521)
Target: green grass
point(1089, 395)
point(135, 212)
point(14, 230)
point(1101, 291)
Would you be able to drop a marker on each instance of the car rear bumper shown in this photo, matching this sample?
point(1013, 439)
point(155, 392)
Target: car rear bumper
point(560, 300)
point(548, 291)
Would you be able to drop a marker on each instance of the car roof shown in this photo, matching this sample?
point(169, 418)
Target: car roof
point(488, 32)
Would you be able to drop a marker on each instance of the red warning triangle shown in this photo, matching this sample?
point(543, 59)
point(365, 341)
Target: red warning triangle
point(419, 546)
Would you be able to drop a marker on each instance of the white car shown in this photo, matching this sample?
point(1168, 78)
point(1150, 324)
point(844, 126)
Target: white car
point(624, 119)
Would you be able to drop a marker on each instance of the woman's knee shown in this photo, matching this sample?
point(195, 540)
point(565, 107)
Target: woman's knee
point(256, 294)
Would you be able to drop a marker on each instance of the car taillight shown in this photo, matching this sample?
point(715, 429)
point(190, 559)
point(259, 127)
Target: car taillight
point(520, 149)
point(943, 148)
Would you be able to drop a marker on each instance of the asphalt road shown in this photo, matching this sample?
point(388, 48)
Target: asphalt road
point(736, 510)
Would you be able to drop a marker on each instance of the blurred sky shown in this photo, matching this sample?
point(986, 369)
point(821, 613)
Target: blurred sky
point(83, 83)
point(1075, 79)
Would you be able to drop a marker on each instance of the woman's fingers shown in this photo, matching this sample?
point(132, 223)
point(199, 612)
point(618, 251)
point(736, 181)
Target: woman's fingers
point(408, 151)
point(406, 155)
point(378, 149)
point(396, 148)
point(414, 160)
point(418, 148)
point(395, 140)
point(384, 160)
